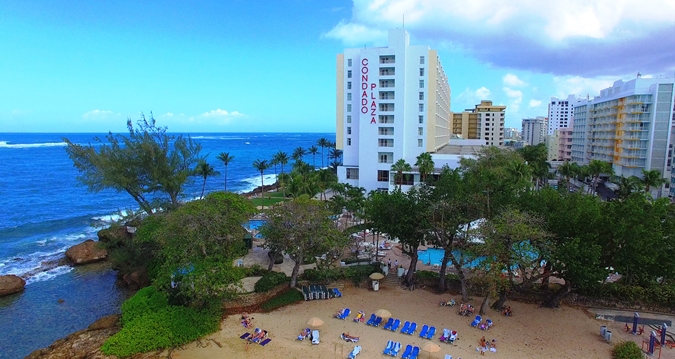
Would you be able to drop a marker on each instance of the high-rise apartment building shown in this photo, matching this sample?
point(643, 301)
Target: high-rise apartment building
point(560, 113)
point(484, 122)
point(559, 145)
point(534, 130)
point(392, 103)
point(629, 125)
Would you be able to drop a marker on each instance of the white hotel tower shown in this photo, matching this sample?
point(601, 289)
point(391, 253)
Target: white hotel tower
point(392, 102)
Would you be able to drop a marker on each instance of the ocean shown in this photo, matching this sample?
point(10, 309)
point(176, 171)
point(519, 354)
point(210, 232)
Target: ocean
point(44, 210)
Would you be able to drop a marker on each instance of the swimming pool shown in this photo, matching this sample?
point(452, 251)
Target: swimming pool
point(255, 224)
point(434, 256)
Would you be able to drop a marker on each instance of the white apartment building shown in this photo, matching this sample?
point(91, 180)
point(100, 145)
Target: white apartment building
point(392, 102)
point(534, 130)
point(629, 125)
point(560, 113)
point(485, 122)
point(511, 133)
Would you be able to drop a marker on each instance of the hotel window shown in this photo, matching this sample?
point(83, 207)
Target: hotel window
point(349, 118)
point(352, 173)
point(349, 74)
point(385, 142)
point(421, 119)
point(349, 141)
point(421, 107)
point(349, 96)
point(421, 60)
point(349, 85)
point(386, 157)
point(421, 84)
point(386, 131)
point(383, 176)
point(349, 108)
point(421, 95)
point(420, 143)
point(349, 62)
point(421, 71)
point(349, 130)
point(408, 179)
point(420, 131)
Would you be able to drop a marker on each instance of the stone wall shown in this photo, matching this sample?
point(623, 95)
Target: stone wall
point(255, 299)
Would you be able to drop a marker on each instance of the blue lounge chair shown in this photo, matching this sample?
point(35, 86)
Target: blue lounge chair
point(355, 352)
point(407, 352)
point(489, 323)
point(345, 314)
point(412, 329)
point(337, 292)
point(377, 322)
point(394, 327)
point(475, 323)
point(396, 349)
point(423, 332)
point(389, 323)
point(406, 327)
point(371, 320)
point(415, 353)
point(445, 336)
point(390, 346)
point(431, 332)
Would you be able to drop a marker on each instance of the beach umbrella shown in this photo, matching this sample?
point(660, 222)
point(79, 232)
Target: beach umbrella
point(383, 313)
point(377, 276)
point(314, 322)
point(430, 347)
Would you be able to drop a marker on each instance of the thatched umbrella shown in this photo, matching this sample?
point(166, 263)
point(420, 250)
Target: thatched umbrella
point(314, 322)
point(377, 276)
point(383, 313)
point(430, 347)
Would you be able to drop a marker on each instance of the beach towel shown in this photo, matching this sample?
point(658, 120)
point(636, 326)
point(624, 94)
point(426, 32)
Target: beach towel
point(265, 342)
point(245, 335)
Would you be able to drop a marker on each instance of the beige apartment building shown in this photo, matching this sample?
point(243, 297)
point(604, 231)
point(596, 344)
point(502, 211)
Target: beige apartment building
point(484, 122)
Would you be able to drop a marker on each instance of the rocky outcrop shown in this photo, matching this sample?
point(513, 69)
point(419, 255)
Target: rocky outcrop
point(83, 344)
point(11, 284)
point(86, 252)
point(135, 280)
point(113, 234)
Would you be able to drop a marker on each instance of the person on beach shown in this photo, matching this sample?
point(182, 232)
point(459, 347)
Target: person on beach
point(396, 263)
point(389, 263)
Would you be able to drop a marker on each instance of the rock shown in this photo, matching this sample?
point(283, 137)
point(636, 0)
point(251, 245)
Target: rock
point(136, 280)
point(86, 252)
point(11, 284)
point(117, 233)
point(110, 321)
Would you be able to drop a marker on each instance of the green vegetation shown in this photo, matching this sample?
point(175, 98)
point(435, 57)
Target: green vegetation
point(356, 274)
point(290, 297)
point(150, 323)
point(270, 280)
point(627, 350)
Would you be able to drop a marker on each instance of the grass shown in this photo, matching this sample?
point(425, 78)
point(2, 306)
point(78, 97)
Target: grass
point(266, 201)
point(290, 297)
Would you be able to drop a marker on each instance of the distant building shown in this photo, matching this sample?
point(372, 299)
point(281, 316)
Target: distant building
point(512, 133)
point(534, 130)
point(559, 145)
point(484, 122)
point(630, 125)
point(392, 103)
point(560, 113)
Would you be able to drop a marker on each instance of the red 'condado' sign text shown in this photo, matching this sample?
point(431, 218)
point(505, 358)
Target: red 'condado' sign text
point(365, 86)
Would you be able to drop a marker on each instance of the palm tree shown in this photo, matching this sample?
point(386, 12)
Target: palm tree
point(205, 170)
point(298, 152)
point(567, 170)
point(425, 165)
point(595, 169)
point(282, 159)
point(627, 186)
point(399, 167)
point(261, 166)
point(226, 159)
point(273, 163)
point(335, 154)
point(520, 172)
point(313, 150)
point(323, 143)
point(651, 179)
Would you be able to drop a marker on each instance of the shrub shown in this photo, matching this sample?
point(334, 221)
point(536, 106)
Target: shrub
point(290, 297)
point(150, 323)
point(627, 350)
point(270, 280)
point(354, 273)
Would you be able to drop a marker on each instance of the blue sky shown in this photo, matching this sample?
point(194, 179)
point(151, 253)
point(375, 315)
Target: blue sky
point(221, 66)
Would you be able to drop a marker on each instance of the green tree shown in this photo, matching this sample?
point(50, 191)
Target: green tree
point(425, 165)
point(298, 153)
point(568, 170)
point(302, 228)
point(336, 155)
point(261, 166)
point(204, 170)
point(323, 143)
point(627, 186)
point(225, 158)
point(147, 163)
point(197, 244)
point(651, 179)
point(281, 158)
point(403, 216)
point(313, 150)
point(399, 167)
point(597, 168)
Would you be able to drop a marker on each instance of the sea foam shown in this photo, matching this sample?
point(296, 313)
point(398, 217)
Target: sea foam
point(5, 144)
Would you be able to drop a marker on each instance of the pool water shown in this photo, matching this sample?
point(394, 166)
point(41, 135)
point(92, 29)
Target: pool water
point(255, 224)
point(434, 256)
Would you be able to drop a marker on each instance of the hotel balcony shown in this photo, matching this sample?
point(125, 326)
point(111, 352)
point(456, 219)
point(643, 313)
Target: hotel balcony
point(387, 71)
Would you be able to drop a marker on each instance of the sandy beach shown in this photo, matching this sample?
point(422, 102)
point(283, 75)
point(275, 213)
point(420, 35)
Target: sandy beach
point(532, 332)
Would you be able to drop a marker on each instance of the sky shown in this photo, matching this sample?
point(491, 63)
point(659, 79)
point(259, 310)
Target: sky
point(269, 65)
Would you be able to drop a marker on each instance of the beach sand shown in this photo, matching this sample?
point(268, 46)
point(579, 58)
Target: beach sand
point(532, 332)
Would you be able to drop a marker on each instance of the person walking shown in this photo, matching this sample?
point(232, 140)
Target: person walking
point(396, 263)
point(389, 263)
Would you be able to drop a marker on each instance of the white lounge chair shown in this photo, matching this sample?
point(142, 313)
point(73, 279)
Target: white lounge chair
point(315, 337)
point(355, 352)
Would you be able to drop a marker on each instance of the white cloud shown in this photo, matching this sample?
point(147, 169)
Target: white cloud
point(581, 86)
point(97, 114)
point(482, 93)
point(512, 80)
point(221, 114)
point(535, 103)
point(352, 34)
point(516, 97)
point(168, 114)
point(469, 98)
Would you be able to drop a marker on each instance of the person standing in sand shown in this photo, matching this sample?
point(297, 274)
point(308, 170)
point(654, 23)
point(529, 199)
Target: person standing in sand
point(396, 263)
